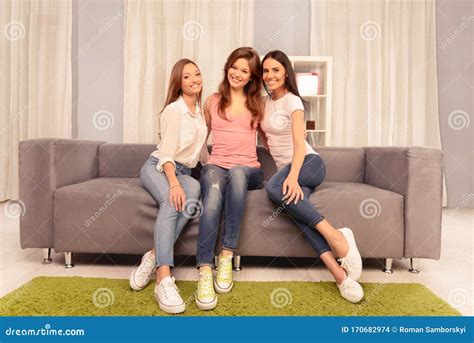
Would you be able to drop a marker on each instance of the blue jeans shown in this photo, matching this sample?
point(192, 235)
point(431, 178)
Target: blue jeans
point(304, 214)
point(169, 222)
point(223, 188)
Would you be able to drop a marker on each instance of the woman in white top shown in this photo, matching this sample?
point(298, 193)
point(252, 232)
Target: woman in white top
point(300, 171)
point(166, 176)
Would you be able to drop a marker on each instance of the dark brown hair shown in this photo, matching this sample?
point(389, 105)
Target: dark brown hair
point(290, 80)
point(174, 87)
point(252, 89)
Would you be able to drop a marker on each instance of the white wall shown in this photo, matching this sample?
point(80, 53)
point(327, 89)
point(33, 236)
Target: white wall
point(98, 70)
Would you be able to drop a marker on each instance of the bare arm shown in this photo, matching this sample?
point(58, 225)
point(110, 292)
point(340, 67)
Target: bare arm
point(291, 189)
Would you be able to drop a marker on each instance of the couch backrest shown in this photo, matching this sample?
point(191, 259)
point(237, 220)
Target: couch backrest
point(123, 160)
point(126, 160)
point(342, 164)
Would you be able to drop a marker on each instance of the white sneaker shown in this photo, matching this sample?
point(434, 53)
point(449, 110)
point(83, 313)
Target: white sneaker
point(352, 263)
point(141, 276)
point(351, 290)
point(167, 296)
point(206, 298)
point(224, 281)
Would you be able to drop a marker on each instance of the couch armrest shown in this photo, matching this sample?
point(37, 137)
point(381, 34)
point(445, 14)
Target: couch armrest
point(44, 166)
point(417, 174)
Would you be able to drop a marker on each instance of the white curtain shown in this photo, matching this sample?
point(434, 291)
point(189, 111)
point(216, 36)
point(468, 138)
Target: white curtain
point(35, 91)
point(384, 72)
point(159, 33)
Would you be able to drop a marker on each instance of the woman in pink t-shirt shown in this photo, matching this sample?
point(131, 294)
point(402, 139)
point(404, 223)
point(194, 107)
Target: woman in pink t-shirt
point(300, 171)
point(232, 115)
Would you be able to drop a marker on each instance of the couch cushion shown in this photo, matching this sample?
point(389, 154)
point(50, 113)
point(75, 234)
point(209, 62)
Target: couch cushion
point(109, 215)
point(267, 232)
point(117, 215)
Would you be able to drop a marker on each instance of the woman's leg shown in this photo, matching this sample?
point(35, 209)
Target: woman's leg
point(239, 180)
point(213, 187)
point(165, 228)
point(311, 175)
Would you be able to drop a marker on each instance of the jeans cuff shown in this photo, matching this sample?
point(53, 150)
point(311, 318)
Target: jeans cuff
point(317, 221)
point(230, 249)
point(203, 264)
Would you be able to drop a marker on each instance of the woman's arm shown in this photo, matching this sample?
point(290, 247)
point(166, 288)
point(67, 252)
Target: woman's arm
point(169, 144)
point(291, 189)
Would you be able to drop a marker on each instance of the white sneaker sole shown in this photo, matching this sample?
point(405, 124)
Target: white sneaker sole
point(222, 290)
point(206, 306)
point(170, 309)
point(133, 284)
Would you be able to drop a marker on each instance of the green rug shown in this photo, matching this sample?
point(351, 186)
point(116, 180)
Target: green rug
point(77, 296)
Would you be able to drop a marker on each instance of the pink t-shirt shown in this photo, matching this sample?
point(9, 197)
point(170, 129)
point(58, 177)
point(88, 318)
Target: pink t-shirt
point(234, 140)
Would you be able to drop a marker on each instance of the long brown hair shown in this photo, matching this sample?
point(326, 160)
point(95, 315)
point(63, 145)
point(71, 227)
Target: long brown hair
point(290, 80)
point(174, 87)
point(252, 89)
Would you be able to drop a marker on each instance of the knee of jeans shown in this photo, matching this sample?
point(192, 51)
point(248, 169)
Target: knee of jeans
point(273, 191)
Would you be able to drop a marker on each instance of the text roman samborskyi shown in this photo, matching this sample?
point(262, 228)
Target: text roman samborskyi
point(429, 329)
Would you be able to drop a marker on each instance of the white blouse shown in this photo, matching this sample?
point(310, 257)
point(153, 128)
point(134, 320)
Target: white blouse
point(183, 136)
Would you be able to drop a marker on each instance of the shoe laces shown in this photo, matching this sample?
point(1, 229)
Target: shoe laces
point(205, 284)
point(146, 265)
point(224, 272)
point(170, 289)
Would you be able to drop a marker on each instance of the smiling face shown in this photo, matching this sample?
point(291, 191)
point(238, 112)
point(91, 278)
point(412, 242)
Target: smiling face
point(191, 81)
point(239, 73)
point(274, 74)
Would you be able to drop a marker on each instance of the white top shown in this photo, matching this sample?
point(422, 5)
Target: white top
point(183, 136)
point(276, 125)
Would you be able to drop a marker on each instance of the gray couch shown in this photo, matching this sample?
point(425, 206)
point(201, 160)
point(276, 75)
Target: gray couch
point(86, 197)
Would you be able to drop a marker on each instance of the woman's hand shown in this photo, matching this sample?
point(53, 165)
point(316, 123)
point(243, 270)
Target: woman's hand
point(177, 197)
point(292, 190)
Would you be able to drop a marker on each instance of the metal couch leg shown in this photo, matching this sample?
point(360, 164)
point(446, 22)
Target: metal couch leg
point(237, 263)
point(47, 256)
point(414, 266)
point(388, 266)
point(68, 260)
point(216, 262)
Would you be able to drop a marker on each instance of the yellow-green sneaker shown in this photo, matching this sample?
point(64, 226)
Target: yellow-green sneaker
point(206, 298)
point(224, 282)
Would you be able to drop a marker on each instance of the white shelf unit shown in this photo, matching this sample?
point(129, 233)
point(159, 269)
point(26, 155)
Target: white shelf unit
point(318, 106)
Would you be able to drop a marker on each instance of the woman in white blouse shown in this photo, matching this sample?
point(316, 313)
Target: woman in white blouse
point(166, 176)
